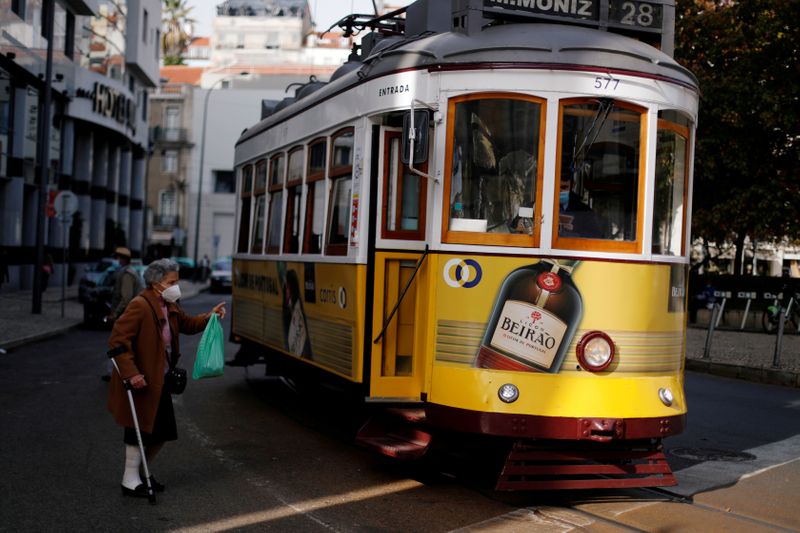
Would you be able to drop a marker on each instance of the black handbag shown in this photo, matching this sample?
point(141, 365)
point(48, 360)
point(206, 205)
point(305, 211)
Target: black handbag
point(175, 380)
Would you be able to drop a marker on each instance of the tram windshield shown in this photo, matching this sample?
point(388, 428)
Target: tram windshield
point(599, 170)
point(494, 165)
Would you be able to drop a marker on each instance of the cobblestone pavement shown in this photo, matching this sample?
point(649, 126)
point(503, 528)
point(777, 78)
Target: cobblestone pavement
point(742, 354)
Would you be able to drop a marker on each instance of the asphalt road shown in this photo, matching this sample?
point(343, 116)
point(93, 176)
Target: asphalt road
point(255, 455)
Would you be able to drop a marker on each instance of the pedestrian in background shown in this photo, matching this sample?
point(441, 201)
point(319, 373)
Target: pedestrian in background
point(144, 343)
point(205, 268)
point(126, 283)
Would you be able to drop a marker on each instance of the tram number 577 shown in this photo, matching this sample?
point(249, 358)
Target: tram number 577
point(606, 82)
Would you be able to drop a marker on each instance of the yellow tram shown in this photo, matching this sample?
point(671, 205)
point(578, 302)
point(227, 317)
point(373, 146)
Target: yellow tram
point(481, 224)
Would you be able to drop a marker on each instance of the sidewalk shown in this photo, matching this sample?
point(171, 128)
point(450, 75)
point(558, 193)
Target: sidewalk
point(19, 326)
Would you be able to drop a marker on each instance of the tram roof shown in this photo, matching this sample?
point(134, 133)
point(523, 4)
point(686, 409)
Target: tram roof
point(535, 45)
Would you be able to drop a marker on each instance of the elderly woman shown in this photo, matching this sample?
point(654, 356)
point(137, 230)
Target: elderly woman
point(144, 344)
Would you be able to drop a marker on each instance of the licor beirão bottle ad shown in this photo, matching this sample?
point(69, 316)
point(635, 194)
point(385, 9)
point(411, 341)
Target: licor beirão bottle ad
point(536, 312)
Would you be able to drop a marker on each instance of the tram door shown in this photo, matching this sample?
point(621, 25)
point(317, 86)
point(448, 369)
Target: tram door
point(400, 305)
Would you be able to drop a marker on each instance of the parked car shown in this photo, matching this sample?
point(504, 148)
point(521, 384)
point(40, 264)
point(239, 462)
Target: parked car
point(92, 274)
point(97, 303)
point(186, 264)
point(221, 277)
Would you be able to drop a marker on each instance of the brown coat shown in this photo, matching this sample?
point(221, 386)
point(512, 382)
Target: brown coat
point(138, 348)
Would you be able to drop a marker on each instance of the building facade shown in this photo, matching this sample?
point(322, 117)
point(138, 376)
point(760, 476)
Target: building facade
point(105, 58)
point(169, 170)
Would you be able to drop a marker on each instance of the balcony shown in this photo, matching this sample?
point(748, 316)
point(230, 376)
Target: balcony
point(164, 222)
point(169, 135)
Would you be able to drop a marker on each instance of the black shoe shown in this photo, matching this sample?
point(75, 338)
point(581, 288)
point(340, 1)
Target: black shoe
point(139, 492)
point(157, 487)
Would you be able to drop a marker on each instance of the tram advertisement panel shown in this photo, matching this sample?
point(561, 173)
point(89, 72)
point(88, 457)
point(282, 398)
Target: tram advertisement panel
point(523, 314)
point(307, 310)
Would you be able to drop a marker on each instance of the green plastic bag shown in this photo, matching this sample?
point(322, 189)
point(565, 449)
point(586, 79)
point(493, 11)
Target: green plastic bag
point(210, 360)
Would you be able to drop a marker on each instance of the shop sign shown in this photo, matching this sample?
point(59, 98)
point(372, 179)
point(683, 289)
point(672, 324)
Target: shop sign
point(111, 103)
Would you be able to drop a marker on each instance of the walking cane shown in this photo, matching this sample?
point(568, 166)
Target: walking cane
point(151, 494)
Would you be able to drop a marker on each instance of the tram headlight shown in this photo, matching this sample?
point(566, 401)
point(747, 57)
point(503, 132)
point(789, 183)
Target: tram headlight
point(595, 351)
point(508, 392)
point(665, 395)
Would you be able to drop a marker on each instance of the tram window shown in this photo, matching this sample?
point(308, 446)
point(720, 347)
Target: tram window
point(671, 183)
point(295, 167)
point(291, 238)
point(341, 192)
point(599, 175)
point(260, 184)
point(274, 228)
point(403, 195)
point(315, 197)
point(316, 158)
point(276, 171)
point(246, 177)
point(257, 242)
point(497, 142)
point(339, 219)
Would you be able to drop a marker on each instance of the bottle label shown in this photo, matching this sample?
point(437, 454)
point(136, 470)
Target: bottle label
point(528, 332)
point(296, 338)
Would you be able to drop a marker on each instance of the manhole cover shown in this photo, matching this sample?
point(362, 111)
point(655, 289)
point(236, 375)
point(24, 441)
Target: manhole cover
point(711, 454)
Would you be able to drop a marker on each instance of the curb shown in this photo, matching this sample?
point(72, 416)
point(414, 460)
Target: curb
point(40, 336)
point(769, 376)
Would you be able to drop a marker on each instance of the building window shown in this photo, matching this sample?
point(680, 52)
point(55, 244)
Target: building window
point(224, 181)
point(172, 122)
point(169, 161)
point(167, 208)
point(145, 24)
point(144, 105)
point(18, 7)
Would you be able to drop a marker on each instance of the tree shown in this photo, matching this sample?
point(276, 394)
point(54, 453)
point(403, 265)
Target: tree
point(746, 55)
point(175, 39)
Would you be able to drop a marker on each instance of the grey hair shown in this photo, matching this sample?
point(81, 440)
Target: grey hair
point(156, 270)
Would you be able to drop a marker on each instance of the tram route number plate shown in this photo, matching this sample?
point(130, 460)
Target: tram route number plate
point(634, 14)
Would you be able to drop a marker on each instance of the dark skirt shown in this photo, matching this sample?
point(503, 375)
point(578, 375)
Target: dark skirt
point(164, 426)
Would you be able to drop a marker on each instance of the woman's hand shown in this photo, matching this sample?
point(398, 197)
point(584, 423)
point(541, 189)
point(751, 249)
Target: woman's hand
point(138, 381)
point(219, 309)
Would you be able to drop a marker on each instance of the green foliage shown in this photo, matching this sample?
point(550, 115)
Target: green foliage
point(746, 55)
point(175, 36)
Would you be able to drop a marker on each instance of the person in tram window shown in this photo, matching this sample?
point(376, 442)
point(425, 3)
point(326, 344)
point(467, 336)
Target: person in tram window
point(145, 345)
point(575, 217)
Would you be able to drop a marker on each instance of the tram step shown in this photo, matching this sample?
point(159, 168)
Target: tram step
point(536, 468)
point(395, 433)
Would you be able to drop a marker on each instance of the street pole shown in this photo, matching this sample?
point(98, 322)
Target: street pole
point(202, 162)
point(43, 155)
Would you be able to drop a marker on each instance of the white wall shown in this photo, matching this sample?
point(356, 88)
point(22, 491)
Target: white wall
point(230, 111)
point(142, 46)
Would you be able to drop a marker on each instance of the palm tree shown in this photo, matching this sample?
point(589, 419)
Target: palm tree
point(174, 40)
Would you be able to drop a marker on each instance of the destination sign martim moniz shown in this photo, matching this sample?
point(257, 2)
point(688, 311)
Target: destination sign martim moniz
point(635, 15)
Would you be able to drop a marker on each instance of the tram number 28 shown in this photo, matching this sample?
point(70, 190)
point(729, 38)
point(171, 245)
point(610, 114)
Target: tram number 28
point(633, 13)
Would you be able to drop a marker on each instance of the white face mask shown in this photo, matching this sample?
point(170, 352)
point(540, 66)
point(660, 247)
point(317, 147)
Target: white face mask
point(172, 293)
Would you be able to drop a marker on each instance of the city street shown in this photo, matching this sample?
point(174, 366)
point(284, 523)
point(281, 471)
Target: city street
point(254, 455)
